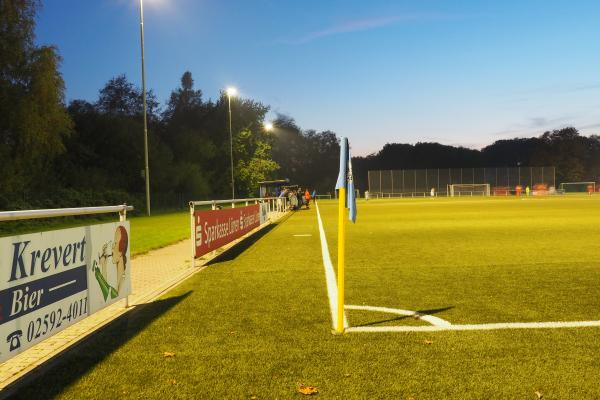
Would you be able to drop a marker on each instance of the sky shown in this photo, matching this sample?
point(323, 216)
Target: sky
point(455, 72)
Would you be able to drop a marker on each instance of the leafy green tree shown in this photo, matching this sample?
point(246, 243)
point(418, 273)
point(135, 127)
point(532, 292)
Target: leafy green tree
point(247, 116)
point(186, 121)
point(254, 163)
point(119, 97)
point(106, 150)
point(33, 120)
point(309, 159)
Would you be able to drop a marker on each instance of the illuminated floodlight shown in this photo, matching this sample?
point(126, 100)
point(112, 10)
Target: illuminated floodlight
point(231, 91)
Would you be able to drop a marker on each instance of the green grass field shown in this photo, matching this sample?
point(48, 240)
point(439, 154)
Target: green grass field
point(148, 233)
point(256, 323)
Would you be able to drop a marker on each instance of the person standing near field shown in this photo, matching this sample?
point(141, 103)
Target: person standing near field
point(307, 198)
point(527, 191)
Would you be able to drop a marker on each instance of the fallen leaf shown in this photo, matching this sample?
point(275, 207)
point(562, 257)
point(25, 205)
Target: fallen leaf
point(308, 390)
point(232, 332)
point(347, 375)
point(538, 394)
point(253, 398)
point(168, 354)
point(173, 382)
point(428, 341)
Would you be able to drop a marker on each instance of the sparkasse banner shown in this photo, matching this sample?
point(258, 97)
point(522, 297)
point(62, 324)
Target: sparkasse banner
point(50, 280)
point(216, 228)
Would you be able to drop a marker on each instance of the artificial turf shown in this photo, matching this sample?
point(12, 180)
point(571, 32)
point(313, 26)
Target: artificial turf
point(256, 323)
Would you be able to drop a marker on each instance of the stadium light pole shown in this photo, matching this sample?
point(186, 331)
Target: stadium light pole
point(146, 167)
point(231, 91)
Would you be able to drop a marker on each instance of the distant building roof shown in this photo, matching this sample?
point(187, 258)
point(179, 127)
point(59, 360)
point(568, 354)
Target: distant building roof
point(278, 181)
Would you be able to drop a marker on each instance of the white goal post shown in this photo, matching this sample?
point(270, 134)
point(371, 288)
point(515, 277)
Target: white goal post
point(576, 187)
point(469, 189)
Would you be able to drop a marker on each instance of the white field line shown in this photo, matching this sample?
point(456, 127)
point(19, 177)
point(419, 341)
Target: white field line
point(477, 327)
point(435, 321)
point(332, 291)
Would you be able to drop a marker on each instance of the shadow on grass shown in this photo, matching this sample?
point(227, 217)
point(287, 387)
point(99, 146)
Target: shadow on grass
point(402, 317)
point(235, 251)
point(50, 380)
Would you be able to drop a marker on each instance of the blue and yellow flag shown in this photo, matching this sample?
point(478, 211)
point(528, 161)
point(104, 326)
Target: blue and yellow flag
point(346, 179)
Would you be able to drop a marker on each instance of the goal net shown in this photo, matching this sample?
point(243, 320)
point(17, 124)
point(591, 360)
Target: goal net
point(577, 187)
point(471, 189)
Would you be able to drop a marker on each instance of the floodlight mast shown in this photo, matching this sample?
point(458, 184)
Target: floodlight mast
point(146, 166)
point(231, 91)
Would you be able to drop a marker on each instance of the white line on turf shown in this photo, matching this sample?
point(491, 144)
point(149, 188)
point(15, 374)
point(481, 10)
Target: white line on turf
point(429, 318)
point(437, 324)
point(476, 327)
point(332, 292)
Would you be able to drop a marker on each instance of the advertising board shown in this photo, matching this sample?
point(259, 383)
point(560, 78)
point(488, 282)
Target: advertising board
point(50, 280)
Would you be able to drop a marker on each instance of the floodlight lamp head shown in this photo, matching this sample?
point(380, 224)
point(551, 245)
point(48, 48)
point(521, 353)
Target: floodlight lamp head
point(231, 91)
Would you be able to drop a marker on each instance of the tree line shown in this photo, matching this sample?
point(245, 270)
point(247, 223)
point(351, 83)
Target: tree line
point(55, 154)
point(576, 157)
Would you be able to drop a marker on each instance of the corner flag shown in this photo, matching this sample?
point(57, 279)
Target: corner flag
point(346, 179)
point(347, 200)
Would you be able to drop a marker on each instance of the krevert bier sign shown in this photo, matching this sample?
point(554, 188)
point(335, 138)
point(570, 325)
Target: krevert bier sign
point(51, 280)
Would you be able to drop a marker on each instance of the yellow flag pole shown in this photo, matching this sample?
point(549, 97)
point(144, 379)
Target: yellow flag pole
point(341, 258)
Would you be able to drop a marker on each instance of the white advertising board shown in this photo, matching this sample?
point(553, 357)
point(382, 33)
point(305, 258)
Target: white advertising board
point(51, 280)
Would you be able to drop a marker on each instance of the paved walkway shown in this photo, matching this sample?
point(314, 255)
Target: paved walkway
point(152, 274)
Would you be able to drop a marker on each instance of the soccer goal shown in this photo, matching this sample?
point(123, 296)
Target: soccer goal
point(577, 187)
point(471, 189)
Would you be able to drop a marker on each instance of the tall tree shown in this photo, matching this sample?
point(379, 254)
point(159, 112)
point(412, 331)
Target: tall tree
point(33, 119)
point(186, 119)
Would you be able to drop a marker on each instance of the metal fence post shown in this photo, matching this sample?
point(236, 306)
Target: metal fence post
point(543, 177)
point(193, 233)
point(415, 180)
point(123, 218)
point(531, 176)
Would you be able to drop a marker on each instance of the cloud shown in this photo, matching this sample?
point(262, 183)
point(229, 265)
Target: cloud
point(540, 122)
point(590, 126)
point(535, 124)
point(364, 25)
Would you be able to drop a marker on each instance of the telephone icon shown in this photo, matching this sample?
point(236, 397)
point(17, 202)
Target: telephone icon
point(14, 339)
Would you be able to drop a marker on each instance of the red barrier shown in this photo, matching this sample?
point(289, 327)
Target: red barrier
point(216, 228)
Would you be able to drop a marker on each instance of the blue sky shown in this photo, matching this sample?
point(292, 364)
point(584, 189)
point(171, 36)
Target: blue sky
point(456, 72)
